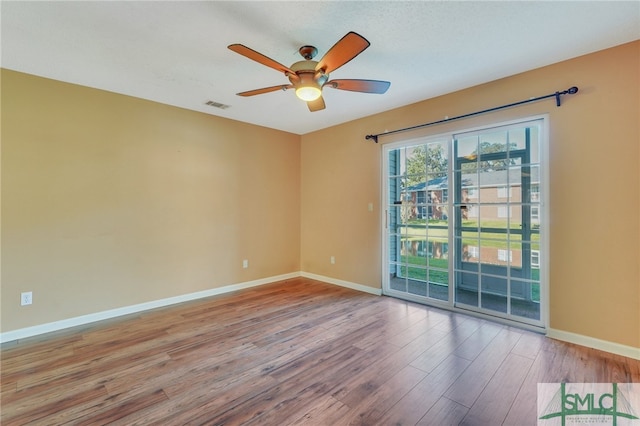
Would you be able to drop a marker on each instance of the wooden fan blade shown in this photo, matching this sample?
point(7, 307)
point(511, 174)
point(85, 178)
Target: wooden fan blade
point(316, 105)
point(366, 86)
point(265, 90)
point(259, 57)
point(347, 48)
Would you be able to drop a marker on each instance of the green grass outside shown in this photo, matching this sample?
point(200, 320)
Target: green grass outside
point(441, 275)
point(417, 230)
point(438, 232)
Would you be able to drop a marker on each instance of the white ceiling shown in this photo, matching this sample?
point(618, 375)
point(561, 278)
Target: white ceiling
point(176, 52)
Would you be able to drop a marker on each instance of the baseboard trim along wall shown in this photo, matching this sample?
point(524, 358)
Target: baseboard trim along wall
point(36, 330)
point(23, 333)
point(348, 284)
point(592, 342)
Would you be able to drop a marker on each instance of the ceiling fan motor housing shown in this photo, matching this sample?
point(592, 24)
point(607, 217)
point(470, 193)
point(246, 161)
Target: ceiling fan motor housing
point(306, 74)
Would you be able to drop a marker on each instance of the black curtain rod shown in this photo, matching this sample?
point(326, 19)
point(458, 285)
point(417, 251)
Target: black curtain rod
point(557, 95)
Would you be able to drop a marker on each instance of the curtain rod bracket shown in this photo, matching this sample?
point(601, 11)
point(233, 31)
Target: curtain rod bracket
point(570, 91)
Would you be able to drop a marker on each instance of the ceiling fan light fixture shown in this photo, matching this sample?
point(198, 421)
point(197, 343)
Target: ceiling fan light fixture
point(309, 92)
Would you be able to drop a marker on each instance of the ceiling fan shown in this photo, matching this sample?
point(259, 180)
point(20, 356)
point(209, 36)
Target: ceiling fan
point(309, 77)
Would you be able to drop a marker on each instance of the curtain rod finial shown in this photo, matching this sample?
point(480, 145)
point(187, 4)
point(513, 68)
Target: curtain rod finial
point(569, 91)
point(374, 137)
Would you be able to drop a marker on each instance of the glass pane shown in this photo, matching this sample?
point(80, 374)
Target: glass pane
point(469, 214)
point(416, 271)
point(418, 287)
point(439, 292)
point(492, 143)
point(438, 283)
point(438, 253)
point(417, 228)
point(396, 280)
point(495, 216)
point(494, 293)
point(410, 210)
point(470, 251)
point(469, 194)
point(438, 262)
point(404, 271)
point(438, 219)
point(534, 217)
point(414, 251)
point(439, 276)
point(535, 272)
point(515, 218)
point(535, 291)
point(395, 162)
point(395, 269)
point(421, 196)
point(436, 157)
point(416, 160)
point(396, 188)
point(468, 199)
point(515, 161)
point(398, 221)
point(394, 248)
point(515, 185)
point(516, 256)
point(467, 288)
point(525, 299)
point(467, 152)
point(493, 252)
point(494, 185)
point(533, 175)
point(517, 146)
point(437, 187)
point(517, 138)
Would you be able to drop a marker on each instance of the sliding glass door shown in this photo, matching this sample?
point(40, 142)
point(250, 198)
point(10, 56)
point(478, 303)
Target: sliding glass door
point(463, 221)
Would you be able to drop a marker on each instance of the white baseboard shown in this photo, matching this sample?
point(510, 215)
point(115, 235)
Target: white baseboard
point(592, 342)
point(9, 336)
point(36, 330)
point(348, 284)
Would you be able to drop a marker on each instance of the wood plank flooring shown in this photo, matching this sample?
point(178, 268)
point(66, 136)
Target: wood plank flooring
point(296, 352)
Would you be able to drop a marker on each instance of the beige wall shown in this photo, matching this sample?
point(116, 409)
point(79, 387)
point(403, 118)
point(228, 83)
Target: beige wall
point(110, 201)
point(594, 139)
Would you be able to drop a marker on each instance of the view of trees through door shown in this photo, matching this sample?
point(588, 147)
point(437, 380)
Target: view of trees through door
point(463, 221)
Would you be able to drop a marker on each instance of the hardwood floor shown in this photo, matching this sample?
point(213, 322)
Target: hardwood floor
point(288, 353)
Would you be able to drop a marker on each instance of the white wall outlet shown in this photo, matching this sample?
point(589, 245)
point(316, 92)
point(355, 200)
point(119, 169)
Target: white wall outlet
point(370, 207)
point(245, 264)
point(26, 298)
point(333, 260)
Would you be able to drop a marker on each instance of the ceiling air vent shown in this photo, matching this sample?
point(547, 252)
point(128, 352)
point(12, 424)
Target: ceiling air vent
point(217, 105)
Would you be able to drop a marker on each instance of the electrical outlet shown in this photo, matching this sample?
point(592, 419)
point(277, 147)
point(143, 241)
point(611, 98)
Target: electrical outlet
point(26, 298)
point(333, 260)
point(245, 263)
